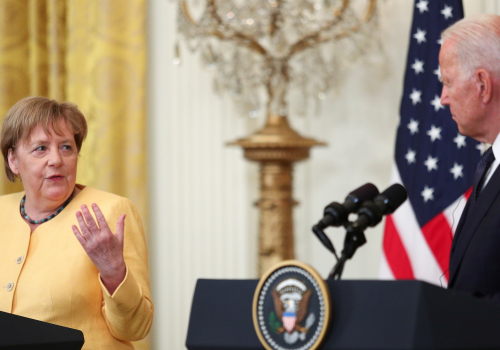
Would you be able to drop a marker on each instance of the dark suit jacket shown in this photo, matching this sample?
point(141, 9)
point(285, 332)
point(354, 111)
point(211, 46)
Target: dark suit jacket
point(475, 251)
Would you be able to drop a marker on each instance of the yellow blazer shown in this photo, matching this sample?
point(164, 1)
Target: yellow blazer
point(46, 275)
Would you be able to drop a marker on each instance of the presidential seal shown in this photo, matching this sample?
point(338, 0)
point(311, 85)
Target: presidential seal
point(291, 307)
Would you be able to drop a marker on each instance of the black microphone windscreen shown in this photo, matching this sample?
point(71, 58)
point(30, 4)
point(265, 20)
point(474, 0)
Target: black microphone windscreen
point(392, 197)
point(364, 193)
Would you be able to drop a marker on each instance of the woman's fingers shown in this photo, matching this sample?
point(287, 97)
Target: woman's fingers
point(103, 224)
point(91, 224)
point(94, 233)
point(83, 225)
point(79, 236)
point(120, 228)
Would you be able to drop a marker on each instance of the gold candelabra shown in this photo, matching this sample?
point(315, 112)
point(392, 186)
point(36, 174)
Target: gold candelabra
point(283, 52)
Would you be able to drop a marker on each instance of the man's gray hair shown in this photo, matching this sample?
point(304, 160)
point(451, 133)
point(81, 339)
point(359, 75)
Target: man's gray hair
point(477, 43)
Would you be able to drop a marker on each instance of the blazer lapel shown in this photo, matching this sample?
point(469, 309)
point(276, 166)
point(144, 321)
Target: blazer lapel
point(470, 220)
point(460, 225)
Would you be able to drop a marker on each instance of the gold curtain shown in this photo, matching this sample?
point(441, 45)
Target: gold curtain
point(92, 53)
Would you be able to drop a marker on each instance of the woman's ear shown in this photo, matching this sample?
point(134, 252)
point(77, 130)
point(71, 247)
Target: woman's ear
point(13, 161)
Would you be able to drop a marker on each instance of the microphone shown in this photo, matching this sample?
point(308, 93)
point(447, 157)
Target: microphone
point(335, 214)
point(387, 202)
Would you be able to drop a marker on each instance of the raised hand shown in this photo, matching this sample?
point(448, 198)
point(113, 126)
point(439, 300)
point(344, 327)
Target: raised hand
point(104, 248)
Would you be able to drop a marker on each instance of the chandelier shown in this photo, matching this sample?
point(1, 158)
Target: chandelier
point(274, 56)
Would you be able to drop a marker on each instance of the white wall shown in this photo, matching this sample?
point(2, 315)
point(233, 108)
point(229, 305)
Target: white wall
point(202, 221)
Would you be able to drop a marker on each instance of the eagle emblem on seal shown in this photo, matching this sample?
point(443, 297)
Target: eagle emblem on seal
point(291, 301)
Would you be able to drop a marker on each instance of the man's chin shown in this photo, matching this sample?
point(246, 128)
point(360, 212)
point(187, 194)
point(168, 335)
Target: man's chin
point(469, 133)
point(461, 130)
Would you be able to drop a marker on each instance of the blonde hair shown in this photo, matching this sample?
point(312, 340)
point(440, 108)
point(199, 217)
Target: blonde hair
point(477, 43)
point(29, 113)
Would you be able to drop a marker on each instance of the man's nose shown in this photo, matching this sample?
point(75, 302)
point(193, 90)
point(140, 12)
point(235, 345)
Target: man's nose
point(444, 96)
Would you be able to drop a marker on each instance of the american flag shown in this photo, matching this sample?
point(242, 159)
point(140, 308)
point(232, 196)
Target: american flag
point(433, 161)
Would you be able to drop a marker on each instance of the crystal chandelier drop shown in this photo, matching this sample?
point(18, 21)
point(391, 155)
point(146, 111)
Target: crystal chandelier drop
point(275, 56)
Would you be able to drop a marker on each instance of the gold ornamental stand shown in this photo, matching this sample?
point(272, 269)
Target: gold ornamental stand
point(276, 147)
point(264, 41)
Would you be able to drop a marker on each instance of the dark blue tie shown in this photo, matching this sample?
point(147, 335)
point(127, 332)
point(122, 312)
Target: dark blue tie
point(481, 168)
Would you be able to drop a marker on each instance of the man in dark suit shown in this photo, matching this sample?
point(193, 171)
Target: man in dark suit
point(470, 70)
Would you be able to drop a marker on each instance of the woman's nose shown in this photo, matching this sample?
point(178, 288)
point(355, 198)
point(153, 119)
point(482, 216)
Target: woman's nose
point(55, 158)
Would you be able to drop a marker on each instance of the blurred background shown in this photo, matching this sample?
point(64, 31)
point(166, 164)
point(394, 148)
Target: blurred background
point(158, 134)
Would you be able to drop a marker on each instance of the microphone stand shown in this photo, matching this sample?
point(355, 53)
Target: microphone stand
point(318, 231)
point(354, 239)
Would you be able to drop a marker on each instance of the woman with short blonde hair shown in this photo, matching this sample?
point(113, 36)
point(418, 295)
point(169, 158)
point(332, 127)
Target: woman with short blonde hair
point(66, 255)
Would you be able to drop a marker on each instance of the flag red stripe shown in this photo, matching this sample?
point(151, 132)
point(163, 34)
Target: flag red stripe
point(468, 193)
point(438, 235)
point(395, 252)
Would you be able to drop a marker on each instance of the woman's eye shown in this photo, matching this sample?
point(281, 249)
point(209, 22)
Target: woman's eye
point(66, 148)
point(40, 148)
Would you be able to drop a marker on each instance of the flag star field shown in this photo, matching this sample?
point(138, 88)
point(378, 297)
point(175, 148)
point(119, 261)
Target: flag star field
point(433, 161)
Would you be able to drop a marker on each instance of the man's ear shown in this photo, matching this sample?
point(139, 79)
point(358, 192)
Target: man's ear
point(485, 85)
point(13, 161)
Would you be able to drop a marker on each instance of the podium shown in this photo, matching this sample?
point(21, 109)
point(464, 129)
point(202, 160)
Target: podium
point(365, 315)
point(21, 333)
